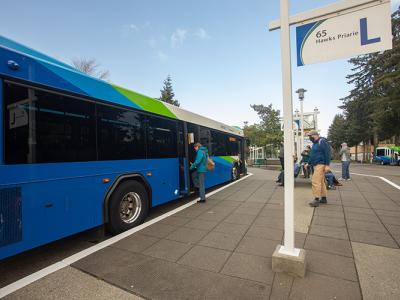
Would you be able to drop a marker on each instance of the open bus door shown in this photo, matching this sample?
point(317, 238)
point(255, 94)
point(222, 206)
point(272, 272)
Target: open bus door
point(192, 137)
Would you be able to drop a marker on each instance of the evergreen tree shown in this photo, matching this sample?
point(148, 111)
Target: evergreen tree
point(167, 93)
point(270, 124)
point(337, 132)
point(372, 108)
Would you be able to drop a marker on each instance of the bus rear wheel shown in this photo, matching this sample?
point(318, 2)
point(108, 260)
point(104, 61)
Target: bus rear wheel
point(128, 207)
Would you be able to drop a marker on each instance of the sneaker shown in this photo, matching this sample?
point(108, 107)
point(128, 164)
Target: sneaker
point(314, 203)
point(323, 200)
point(201, 201)
point(348, 179)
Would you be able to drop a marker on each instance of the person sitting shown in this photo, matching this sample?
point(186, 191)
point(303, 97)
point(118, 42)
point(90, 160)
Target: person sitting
point(281, 177)
point(331, 180)
point(305, 157)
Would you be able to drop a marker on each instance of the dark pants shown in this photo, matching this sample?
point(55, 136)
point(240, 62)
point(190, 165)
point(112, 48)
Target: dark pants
point(198, 181)
point(306, 171)
point(282, 160)
point(345, 169)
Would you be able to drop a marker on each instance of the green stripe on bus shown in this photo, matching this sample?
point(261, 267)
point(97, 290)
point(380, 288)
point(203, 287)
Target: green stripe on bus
point(146, 103)
point(228, 158)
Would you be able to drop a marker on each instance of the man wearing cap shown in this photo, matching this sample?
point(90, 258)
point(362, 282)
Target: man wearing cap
point(320, 159)
point(345, 158)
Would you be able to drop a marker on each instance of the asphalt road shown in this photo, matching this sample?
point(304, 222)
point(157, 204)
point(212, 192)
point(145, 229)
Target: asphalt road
point(391, 173)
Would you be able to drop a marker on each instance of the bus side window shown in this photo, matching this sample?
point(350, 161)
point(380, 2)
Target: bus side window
point(161, 138)
point(120, 134)
point(58, 128)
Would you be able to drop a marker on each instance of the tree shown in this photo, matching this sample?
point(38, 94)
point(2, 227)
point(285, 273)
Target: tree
point(372, 109)
point(255, 134)
point(270, 123)
point(337, 132)
point(167, 93)
point(90, 67)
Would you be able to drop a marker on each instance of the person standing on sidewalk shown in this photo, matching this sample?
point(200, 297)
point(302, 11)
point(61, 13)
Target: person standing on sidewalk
point(345, 157)
point(305, 157)
point(199, 168)
point(282, 155)
point(320, 159)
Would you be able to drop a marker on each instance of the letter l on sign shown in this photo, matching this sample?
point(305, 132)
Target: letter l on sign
point(364, 34)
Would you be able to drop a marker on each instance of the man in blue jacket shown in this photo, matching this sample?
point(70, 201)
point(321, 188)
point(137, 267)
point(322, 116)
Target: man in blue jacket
point(200, 168)
point(320, 159)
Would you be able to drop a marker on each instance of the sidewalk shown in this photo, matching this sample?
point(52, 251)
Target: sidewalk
point(222, 249)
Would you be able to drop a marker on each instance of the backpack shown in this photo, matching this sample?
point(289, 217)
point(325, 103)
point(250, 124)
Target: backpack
point(210, 165)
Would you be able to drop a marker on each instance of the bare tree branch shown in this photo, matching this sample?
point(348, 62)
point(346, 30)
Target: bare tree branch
point(90, 67)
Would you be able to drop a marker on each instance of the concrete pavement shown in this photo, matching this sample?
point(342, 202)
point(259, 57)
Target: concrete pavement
point(222, 249)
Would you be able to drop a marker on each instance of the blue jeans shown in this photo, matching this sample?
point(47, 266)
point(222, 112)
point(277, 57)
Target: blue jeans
point(329, 178)
point(198, 181)
point(345, 169)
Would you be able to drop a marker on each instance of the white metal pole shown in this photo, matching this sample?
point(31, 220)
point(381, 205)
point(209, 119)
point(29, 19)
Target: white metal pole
point(288, 247)
point(298, 143)
point(316, 118)
point(301, 125)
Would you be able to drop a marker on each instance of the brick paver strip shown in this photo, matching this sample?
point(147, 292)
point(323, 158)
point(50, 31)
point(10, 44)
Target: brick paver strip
point(205, 258)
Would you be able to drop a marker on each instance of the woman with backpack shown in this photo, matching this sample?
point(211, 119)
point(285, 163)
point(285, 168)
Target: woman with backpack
point(200, 168)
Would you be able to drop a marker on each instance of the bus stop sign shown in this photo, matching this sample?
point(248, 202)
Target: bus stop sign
point(360, 32)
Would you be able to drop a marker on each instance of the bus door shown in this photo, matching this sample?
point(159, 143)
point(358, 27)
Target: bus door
point(192, 137)
point(182, 154)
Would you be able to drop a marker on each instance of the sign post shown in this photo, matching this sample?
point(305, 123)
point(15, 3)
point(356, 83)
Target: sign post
point(288, 247)
point(342, 29)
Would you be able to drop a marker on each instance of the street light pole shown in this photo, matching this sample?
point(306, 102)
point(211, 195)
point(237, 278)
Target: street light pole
point(298, 143)
point(301, 98)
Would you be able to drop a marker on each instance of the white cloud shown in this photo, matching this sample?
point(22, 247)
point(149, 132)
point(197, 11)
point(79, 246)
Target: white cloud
point(162, 56)
point(201, 34)
point(177, 37)
point(133, 27)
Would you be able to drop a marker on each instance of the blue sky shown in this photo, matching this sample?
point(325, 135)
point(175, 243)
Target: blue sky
point(219, 53)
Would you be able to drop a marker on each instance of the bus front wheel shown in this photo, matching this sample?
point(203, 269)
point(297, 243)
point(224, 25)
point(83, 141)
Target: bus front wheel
point(128, 206)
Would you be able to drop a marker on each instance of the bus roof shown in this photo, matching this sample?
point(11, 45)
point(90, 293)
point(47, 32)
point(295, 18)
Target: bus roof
point(42, 69)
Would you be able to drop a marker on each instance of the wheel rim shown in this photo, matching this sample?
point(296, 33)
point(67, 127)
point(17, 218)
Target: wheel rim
point(130, 207)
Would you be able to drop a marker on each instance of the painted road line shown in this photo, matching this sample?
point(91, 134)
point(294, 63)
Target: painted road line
point(82, 254)
point(375, 176)
point(390, 182)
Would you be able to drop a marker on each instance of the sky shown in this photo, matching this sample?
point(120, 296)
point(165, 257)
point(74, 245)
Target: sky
point(220, 54)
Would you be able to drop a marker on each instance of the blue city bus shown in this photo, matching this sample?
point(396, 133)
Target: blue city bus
point(77, 152)
point(388, 155)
